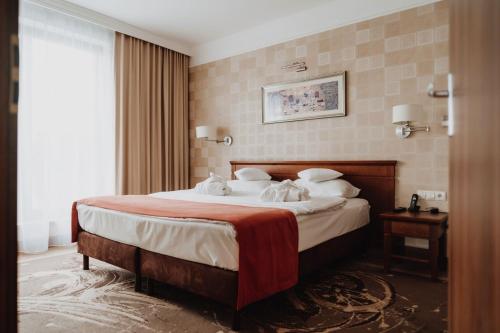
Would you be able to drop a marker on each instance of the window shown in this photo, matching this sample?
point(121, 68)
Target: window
point(66, 122)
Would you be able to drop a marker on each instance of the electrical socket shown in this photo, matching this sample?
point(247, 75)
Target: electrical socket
point(432, 195)
point(426, 195)
point(440, 196)
point(422, 194)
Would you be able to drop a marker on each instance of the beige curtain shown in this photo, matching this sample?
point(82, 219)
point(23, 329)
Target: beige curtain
point(151, 117)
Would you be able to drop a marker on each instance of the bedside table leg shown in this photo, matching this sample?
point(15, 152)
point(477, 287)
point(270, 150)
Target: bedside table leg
point(442, 259)
point(85, 262)
point(434, 255)
point(387, 252)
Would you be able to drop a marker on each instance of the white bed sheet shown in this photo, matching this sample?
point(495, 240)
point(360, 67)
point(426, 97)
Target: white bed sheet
point(212, 243)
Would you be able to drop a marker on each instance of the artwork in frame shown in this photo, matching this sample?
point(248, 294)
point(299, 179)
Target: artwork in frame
point(315, 98)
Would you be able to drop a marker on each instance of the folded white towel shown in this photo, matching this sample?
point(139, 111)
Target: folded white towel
point(213, 185)
point(285, 191)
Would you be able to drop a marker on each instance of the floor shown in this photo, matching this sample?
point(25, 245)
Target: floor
point(52, 252)
point(56, 295)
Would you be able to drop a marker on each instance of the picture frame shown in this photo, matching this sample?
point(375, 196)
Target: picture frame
point(321, 97)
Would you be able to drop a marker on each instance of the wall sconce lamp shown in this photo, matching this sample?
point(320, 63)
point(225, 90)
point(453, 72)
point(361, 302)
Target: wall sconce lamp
point(402, 115)
point(209, 133)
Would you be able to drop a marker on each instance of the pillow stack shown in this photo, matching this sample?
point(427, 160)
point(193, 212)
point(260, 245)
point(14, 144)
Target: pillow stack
point(252, 174)
point(251, 180)
point(251, 186)
point(324, 182)
point(317, 175)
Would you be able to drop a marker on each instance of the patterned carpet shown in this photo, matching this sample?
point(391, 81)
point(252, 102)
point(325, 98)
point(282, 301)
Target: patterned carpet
point(56, 295)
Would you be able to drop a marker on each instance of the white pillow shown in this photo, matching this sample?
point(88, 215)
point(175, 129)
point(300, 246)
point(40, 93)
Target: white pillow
point(319, 174)
point(336, 187)
point(251, 186)
point(251, 174)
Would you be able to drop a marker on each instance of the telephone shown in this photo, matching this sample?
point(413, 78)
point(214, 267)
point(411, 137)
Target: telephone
point(413, 204)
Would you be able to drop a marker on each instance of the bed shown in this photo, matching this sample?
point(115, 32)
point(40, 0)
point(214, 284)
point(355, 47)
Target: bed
point(204, 258)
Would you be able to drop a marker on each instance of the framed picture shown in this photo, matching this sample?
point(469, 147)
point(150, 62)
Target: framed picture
point(316, 98)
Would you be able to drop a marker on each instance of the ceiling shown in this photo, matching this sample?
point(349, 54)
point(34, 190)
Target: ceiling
point(208, 30)
point(197, 21)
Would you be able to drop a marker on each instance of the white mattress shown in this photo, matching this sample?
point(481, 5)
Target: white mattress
point(212, 243)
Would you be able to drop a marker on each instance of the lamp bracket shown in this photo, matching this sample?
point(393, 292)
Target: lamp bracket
point(436, 93)
point(405, 130)
point(227, 141)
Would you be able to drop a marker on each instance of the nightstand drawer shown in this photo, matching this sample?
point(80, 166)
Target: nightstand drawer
point(410, 229)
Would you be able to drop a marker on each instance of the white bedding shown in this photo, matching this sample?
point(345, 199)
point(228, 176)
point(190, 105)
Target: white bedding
point(319, 219)
point(314, 205)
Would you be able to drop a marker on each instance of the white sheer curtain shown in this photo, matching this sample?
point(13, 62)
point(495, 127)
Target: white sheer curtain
point(66, 122)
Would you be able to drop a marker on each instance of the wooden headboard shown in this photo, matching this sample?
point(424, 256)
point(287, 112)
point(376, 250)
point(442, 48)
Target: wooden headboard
point(375, 178)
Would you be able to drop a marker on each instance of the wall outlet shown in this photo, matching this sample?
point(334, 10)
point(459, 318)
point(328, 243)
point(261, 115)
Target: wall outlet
point(432, 195)
point(440, 195)
point(426, 195)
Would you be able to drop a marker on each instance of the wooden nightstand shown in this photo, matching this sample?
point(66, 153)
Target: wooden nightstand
point(419, 225)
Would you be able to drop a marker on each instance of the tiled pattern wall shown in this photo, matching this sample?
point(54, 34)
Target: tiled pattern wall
point(389, 60)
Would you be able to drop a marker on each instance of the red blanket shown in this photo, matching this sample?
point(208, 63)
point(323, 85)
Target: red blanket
point(267, 237)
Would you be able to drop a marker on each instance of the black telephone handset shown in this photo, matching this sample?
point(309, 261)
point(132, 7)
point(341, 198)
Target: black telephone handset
point(413, 204)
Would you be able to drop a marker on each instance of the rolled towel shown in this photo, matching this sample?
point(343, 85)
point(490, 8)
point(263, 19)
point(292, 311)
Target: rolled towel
point(286, 191)
point(213, 185)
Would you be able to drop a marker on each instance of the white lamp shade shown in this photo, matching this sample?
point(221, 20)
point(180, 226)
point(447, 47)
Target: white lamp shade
point(206, 132)
point(404, 113)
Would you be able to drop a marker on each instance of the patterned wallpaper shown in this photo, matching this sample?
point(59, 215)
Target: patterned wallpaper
point(389, 60)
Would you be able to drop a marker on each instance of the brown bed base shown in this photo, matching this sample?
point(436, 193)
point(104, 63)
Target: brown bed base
point(375, 178)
